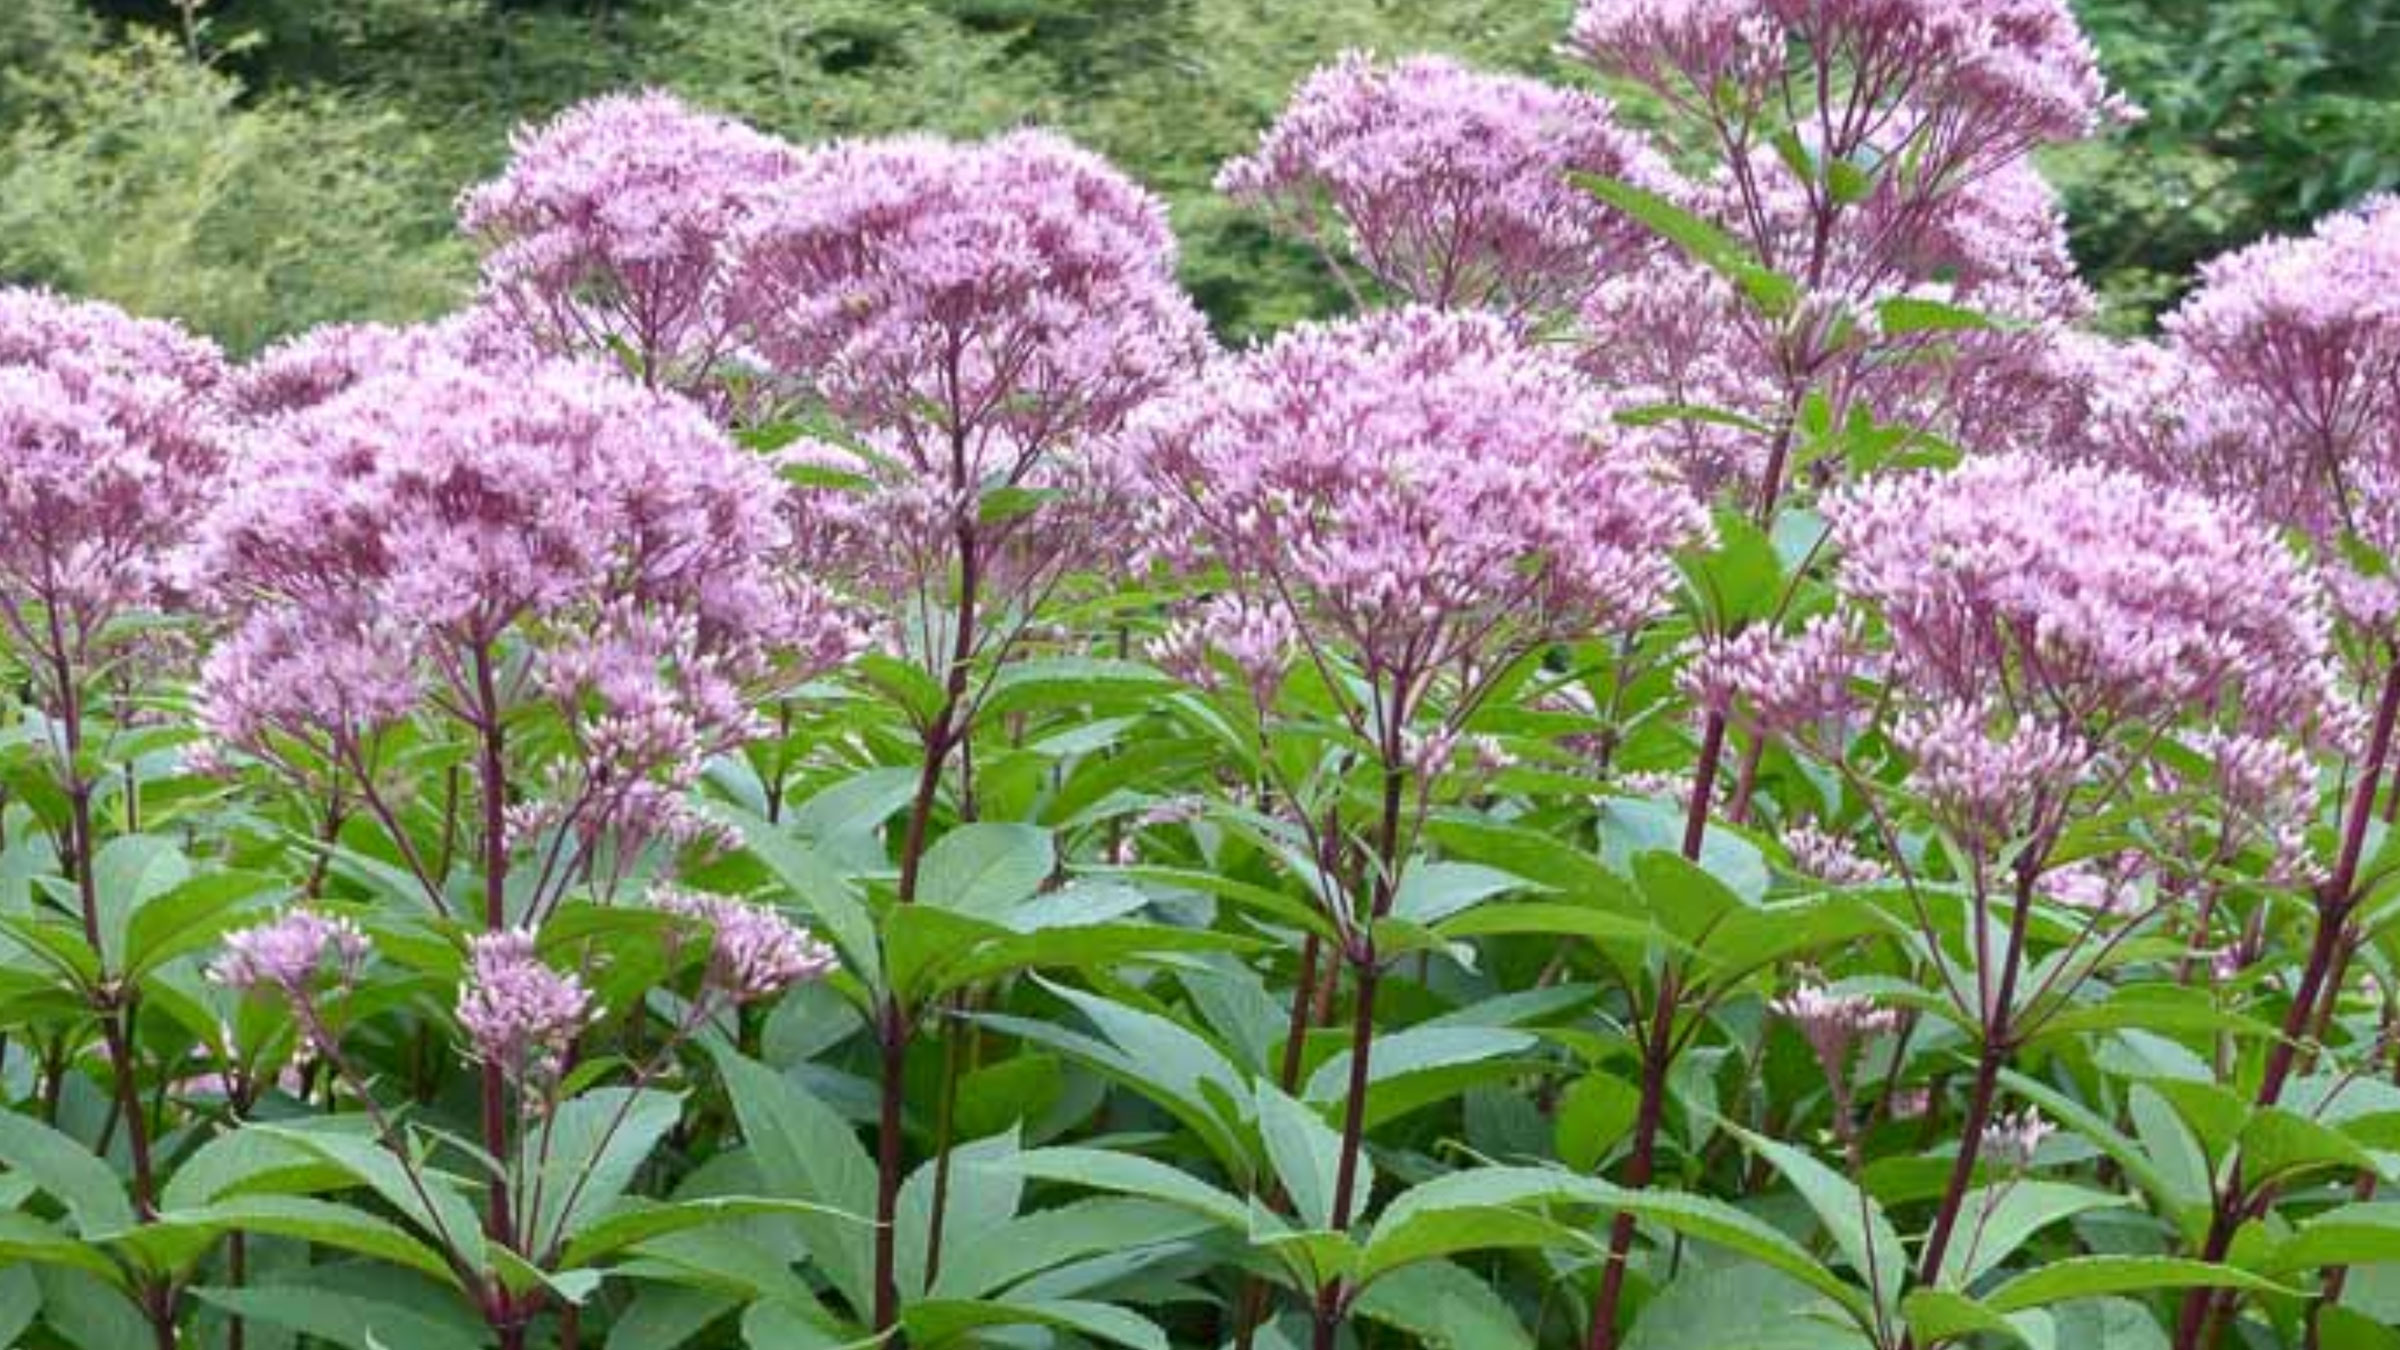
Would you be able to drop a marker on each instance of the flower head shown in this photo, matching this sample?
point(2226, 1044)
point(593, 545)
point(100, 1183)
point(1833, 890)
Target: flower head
point(2104, 594)
point(2012, 1139)
point(517, 1012)
point(2295, 345)
point(1829, 857)
point(1957, 84)
point(1448, 185)
point(388, 539)
point(611, 227)
point(754, 952)
point(1796, 684)
point(1417, 489)
point(979, 306)
point(111, 445)
point(1833, 1023)
point(305, 370)
point(2036, 611)
point(292, 954)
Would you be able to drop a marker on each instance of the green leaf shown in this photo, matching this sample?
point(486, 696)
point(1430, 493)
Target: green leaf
point(247, 1160)
point(1938, 1315)
point(26, 1240)
point(982, 1198)
point(1421, 1065)
point(806, 1152)
point(843, 821)
point(1683, 897)
point(637, 1220)
point(1307, 1157)
point(1848, 183)
point(1594, 1115)
point(2350, 1235)
point(984, 868)
point(1553, 920)
point(1694, 1216)
point(428, 1199)
point(1073, 681)
point(942, 1322)
point(2067, 1111)
point(1037, 1242)
point(1433, 891)
point(1156, 1056)
point(588, 1156)
point(1901, 315)
point(20, 1302)
point(2277, 1144)
point(343, 1319)
point(1461, 1212)
point(1704, 242)
point(2091, 1276)
point(782, 1324)
point(190, 916)
point(57, 945)
point(69, 1172)
point(131, 871)
point(1739, 580)
point(1131, 1174)
point(1859, 1229)
point(176, 1238)
point(2005, 1216)
point(1438, 1304)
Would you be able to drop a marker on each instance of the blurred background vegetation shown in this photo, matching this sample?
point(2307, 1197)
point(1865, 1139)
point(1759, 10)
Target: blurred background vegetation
point(255, 166)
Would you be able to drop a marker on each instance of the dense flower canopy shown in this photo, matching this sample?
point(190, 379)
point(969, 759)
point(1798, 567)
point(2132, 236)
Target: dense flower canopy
point(111, 444)
point(2035, 611)
point(1448, 185)
point(611, 226)
point(1420, 486)
point(974, 306)
point(1628, 723)
point(303, 371)
point(2294, 348)
point(383, 543)
point(1963, 87)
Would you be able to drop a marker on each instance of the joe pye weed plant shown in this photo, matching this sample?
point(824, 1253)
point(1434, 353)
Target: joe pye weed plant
point(821, 766)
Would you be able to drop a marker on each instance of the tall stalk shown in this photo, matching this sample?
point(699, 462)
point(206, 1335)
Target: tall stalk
point(112, 1004)
point(2336, 900)
point(499, 1223)
point(892, 1021)
point(1998, 1043)
point(1358, 949)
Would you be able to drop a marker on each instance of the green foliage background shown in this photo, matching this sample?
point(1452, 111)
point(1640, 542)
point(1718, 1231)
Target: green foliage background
point(255, 166)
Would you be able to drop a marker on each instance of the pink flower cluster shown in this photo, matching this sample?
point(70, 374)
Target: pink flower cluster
point(1828, 857)
point(2294, 349)
point(384, 542)
point(517, 1012)
point(111, 445)
point(612, 229)
point(2035, 610)
point(1957, 86)
point(1833, 1024)
point(1674, 335)
point(305, 370)
point(292, 954)
point(1796, 684)
point(1255, 639)
point(1417, 487)
point(1450, 186)
point(754, 952)
point(971, 307)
